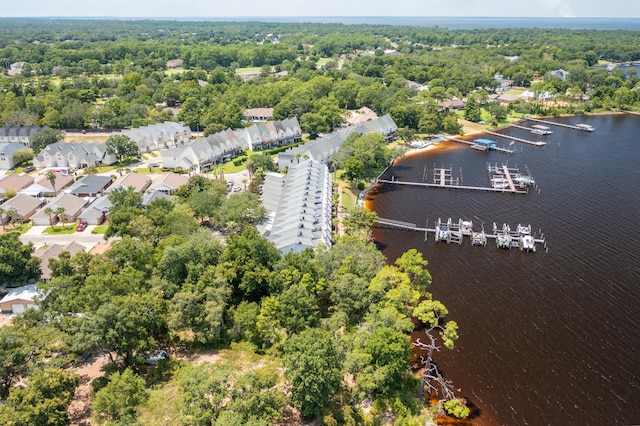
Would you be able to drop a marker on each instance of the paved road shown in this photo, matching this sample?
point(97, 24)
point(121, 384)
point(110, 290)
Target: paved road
point(86, 238)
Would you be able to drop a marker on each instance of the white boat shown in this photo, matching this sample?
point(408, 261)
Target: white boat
point(443, 234)
point(503, 241)
point(503, 236)
point(479, 239)
point(466, 227)
point(527, 243)
point(499, 183)
point(524, 230)
point(523, 181)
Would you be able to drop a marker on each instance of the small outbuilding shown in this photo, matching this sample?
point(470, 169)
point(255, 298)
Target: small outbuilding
point(20, 299)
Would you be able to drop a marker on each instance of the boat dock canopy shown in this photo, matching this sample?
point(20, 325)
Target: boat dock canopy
point(540, 127)
point(486, 142)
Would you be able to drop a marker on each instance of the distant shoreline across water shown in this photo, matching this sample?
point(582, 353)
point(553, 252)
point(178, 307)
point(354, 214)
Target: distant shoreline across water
point(445, 22)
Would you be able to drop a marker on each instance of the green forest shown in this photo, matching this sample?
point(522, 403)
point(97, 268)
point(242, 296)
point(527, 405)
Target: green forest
point(252, 337)
point(113, 74)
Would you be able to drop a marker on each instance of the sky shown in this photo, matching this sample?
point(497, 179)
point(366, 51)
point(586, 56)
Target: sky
point(249, 8)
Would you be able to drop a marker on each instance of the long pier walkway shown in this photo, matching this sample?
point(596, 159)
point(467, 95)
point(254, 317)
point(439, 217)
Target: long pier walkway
point(470, 143)
point(511, 188)
point(455, 232)
point(581, 127)
point(535, 143)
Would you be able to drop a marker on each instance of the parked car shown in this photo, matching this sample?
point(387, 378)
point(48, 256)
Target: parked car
point(29, 169)
point(81, 225)
point(155, 357)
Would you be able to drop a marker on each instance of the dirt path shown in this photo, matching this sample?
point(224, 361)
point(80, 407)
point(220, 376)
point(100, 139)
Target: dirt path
point(80, 408)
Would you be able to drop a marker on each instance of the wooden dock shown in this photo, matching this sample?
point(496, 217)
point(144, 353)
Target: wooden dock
point(582, 128)
point(511, 189)
point(534, 143)
point(452, 232)
point(507, 174)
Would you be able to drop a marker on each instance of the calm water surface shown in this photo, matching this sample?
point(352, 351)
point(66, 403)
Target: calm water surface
point(546, 338)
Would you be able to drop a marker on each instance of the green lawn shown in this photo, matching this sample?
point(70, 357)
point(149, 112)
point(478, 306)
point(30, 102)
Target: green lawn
point(100, 229)
point(60, 230)
point(248, 70)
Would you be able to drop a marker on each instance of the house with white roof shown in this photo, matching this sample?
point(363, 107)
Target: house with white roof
point(18, 134)
point(322, 149)
point(159, 136)
point(75, 155)
point(220, 147)
point(20, 299)
point(7, 154)
point(298, 207)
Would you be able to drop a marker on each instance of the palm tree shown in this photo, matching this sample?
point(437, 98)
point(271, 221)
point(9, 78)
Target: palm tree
point(2, 219)
point(51, 177)
point(60, 211)
point(12, 213)
point(48, 211)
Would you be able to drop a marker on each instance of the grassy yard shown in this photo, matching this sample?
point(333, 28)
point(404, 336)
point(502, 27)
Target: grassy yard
point(100, 229)
point(248, 70)
point(349, 197)
point(60, 230)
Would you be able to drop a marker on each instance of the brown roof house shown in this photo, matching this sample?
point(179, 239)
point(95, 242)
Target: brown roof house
point(53, 252)
point(168, 183)
point(72, 207)
point(43, 187)
point(24, 205)
point(14, 182)
point(258, 114)
point(20, 299)
point(137, 181)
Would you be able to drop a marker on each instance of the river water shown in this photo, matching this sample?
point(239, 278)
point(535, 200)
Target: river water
point(546, 338)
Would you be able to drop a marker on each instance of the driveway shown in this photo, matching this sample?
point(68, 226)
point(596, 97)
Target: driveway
point(36, 236)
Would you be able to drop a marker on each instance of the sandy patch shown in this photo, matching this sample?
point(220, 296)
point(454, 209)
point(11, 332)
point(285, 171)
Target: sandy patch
point(80, 408)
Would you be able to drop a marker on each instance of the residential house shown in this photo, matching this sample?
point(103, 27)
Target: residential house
point(138, 181)
point(150, 197)
point(15, 68)
point(271, 134)
point(322, 149)
point(72, 208)
point(96, 212)
point(504, 84)
point(75, 155)
point(360, 115)
point(202, 153)
point(22, 298)
point(44, 188)
point(7, 154)
point(159, 136)
point(25, 206)
point(14, 183)
point(53, 252)
point(559, 73)
point(298, 207)
point(452, 104)
point(168, 183)
point(174, 63)
point(258, 114)
point(90, 186)
point(18, 134)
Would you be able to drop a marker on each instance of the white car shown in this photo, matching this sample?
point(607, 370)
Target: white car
point(155, 357)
